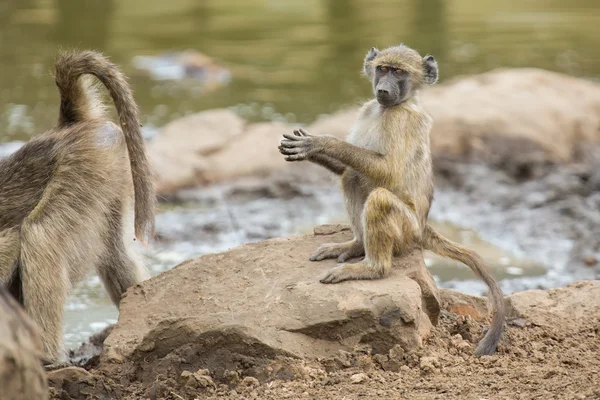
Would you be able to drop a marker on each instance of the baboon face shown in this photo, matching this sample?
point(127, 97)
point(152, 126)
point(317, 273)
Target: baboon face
point(397, 72)
point(391, 85)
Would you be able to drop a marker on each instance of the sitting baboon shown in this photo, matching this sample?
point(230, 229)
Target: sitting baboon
point(387, 178)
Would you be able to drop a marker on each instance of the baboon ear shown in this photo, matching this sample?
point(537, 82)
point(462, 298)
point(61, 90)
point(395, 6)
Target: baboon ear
point(430, 68)
point(368, 58)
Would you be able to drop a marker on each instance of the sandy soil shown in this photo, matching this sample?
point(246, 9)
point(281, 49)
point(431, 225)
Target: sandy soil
point(533, 362)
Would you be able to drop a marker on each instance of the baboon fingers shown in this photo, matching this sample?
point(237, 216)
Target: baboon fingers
point(330, 250)
point(344, 256)
point(296, 157)
point(288, 143)
point(358, 271)
point(292, 137)
point(304, 133)
point(290, 150)
point(334, 250)
point(338, 274)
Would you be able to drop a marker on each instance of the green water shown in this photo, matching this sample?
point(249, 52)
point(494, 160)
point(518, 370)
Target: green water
point(296, 59)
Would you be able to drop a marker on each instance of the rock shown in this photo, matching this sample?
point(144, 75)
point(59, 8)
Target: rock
point(279, 311)
point(180, 153)
point(359, 378)
point(199, 379)
point(90, 349)
point(465, 305)
point(428, 364)
point(550, 308)
point(72, 380)
point(22, 376)
point(254, 153)
point(213, 146)
point(330, 229)
point(250, 382)
point(179, 65)
point(590, 261)
point(459, 343)
point(516, 119)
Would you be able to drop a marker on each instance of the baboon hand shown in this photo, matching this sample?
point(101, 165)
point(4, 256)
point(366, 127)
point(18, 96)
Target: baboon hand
point(300, 145)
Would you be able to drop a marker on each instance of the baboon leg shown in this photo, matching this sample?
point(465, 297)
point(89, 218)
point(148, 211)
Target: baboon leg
point(354, 200)
point(45, 281)
point(119, 267)
point(9, 253)
point(389, 227)
point(341, 251)
point(60, 240)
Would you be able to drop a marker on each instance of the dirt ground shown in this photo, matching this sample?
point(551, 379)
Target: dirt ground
point(532, 362)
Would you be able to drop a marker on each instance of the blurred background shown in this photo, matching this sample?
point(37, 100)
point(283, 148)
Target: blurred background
point(281, 61)
point(288, 59)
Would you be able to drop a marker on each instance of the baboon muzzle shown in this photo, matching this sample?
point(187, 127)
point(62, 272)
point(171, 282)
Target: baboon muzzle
point(386, 93)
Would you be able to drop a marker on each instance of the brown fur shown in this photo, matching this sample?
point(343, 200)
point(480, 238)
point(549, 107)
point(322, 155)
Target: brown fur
point(387, 178)
point(65, 195)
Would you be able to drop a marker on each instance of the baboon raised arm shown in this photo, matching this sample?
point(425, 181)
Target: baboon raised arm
point(66, 194)
point(387, 178)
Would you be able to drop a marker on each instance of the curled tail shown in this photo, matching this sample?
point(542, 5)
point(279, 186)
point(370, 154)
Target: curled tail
point(79, 103)
point(440, 245)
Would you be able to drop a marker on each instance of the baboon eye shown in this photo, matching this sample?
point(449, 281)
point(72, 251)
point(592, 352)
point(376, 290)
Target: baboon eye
point(383, 69)
point(398, 72)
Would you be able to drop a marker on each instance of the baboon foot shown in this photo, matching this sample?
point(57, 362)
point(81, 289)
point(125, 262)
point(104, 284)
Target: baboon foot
point(347, 272)
point(341, 251)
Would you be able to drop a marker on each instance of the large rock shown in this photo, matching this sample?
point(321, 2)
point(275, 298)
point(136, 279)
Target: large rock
point(567, 307)
point(22, 376)
point(514, 116)
point(263, 301)
point(213, 146)
point(180, 153)
point(511, 118)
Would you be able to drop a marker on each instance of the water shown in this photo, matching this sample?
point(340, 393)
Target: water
point(288, 60)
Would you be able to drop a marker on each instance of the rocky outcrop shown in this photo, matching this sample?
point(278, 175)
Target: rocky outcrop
point(21, 374)
point(263, 301)
point(570, 307)
point(514, 119)
point(213, 146)
point(254, 322)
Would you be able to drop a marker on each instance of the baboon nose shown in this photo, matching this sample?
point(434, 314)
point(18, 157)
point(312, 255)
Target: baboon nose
point(382, 92)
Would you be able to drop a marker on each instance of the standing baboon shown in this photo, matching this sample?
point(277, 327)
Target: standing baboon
point(387, 179)
point(66, 194)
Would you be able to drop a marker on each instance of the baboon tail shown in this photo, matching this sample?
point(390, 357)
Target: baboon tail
point(80, 103)
point(440, 245)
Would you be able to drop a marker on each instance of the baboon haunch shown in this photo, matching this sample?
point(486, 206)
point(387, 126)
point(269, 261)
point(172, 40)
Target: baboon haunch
point(387, 179)
point(65, 198)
